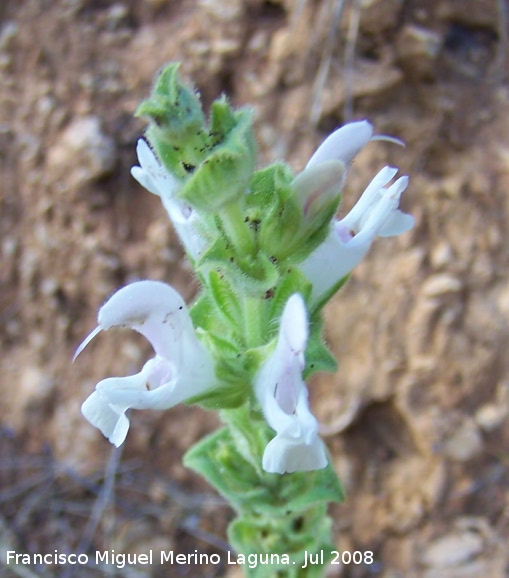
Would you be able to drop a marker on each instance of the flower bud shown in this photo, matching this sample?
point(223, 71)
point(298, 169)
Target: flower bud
point(224, 174)
point(173, 108)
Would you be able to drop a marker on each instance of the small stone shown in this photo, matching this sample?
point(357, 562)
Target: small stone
point(8, 33)
point(34, 388)
point(453, 549)
point(379, 15)
point(417, 49)
point(441, 284)
point(83, 154)
point(117, 16)
point(464, 442)
point(227, 46)
point(441, 255)
point(368, 80)
point(490, 416)
point(223, 10)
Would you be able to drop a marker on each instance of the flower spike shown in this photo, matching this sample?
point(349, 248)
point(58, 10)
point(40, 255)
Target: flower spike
point(180, 369)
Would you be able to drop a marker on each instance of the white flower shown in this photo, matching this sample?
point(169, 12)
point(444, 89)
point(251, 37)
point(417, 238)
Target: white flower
point(376, 214)
point(157, 180)
point(283, 397)
point(180, 369)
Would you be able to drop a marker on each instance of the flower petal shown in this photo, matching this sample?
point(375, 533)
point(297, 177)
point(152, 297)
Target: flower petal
point(109, 419)
point(333, 259)
point(149, 389)
point(155, 310)
point(381, 212)
point(106, 407)
point(343, 144)
point(368, 198)
point(151, 175)
point(294, 326)
point(287, 455)
point(315, 187)
point(396, 224)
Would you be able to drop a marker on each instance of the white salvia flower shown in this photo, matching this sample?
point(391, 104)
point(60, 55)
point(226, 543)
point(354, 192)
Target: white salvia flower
point(157, 180)
point(376, 214)
point(283, 397)
point(180, 369)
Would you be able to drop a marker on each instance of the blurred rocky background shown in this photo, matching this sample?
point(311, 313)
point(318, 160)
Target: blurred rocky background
point(416, 417)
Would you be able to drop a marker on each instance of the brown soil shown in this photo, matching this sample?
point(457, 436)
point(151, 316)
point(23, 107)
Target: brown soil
point(416, 417)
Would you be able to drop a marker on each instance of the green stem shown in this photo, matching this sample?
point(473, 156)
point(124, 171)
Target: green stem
point(254, 322)
point(239, 233)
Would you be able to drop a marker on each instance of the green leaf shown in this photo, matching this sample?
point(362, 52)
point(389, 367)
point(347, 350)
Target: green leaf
point(222, 120)
point(281, 229)
point(225, 298)
point(250, 432)
point(318, 356)
point(222, 397)
point(223, 176)
point(233, 379)
point(268, 185)
point(173, 107)
point(219, 462)
point(293, 281)
point(203, 313)
point(249, 275)
point(296, 540)
point(324, 298)
point(177, 130)
point(254, 275)
point(218, 252)
point(307, 489)
point(274, 210)
point(220, 179)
